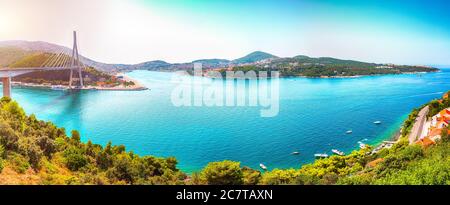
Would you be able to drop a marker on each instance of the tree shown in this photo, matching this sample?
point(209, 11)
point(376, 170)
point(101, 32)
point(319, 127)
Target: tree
point(90, 148)
point(251, 176)
point(76, 136)
point(75, 158)
point(8, 137)
point(47, 145)
point(14, 109)
point(222, 173)
point(172, 163)
point(278, 177)
point(5, 100)
point(29, 148)
point(1, 165)
point(444, 134)
point(123, 168)
point(2, 152)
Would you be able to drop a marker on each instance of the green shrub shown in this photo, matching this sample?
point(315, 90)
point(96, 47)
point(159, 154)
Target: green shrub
point(75, 159)
point(19, 163)
point(222, 173)
point(251, 176)
point(2, 165)
point(278, 177)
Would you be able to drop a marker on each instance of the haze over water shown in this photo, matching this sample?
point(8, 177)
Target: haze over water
point(313, 118)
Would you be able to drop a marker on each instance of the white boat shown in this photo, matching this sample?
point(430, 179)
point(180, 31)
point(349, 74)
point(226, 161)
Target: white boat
point(262, 166)
point(377, 122)
point(320, 155)
point(335, 151)
point(349, 132)
point(295, 153)
point(362, 146)
point(58, 87)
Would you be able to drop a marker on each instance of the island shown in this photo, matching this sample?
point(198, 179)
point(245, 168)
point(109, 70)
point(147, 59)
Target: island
point(298, 66)
point(326, 67)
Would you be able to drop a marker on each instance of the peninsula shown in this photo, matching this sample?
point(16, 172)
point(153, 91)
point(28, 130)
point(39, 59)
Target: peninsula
point(93, 78)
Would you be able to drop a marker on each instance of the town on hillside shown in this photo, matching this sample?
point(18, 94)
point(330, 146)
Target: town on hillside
point(434, 129)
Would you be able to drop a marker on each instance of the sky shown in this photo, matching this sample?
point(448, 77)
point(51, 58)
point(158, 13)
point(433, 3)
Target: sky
point(134, 31)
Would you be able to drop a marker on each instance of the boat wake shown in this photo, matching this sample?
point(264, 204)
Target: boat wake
point(426, 94)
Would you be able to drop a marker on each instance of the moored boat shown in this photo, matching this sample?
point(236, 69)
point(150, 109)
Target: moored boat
point(362, 145)
point(58, 87)
point(320, 155)
point(377, 122)
point(295, 153)
point(340, 153)
point(263, 166)
point(349, 132)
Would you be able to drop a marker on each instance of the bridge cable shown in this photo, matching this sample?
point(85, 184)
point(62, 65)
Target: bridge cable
point(52, 59)
point(58, 59)
point(46, 61)
point(64, 62)
point(58, 63)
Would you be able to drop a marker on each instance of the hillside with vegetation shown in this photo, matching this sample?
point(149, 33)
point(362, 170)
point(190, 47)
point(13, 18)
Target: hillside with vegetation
point(254, 57)
point(329, 67)
point(16, 48)
point(38, 152)
point(91, 76)
point(10, 55)
point(301, 65)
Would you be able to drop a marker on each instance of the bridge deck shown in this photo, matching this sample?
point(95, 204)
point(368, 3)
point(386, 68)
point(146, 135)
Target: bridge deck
point(37, 68)
point(12, 72)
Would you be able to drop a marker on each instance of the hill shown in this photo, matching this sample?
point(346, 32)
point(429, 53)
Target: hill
point(254, 57)
point(9, 55)
point(30, 47)
point(61, 77)
point(150, 65)
point(213, 63)
point(329, 67)
point(11, 51)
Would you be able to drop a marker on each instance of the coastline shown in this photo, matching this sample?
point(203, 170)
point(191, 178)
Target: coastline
point(342, 77)
point(360, 76)
point(136, 87)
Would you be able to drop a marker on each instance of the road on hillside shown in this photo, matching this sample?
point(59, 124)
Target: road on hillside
point(416, 131)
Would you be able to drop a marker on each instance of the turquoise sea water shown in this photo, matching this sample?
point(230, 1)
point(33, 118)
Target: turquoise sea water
point(313, 118)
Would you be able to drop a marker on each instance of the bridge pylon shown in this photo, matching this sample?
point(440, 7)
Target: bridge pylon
point(6, 81)
point(76, 64)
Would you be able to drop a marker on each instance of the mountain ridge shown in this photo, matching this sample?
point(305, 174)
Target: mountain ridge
point(262, 60)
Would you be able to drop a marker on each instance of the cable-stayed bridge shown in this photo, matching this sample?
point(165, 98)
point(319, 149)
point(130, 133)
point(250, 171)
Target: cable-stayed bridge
point(65, 59)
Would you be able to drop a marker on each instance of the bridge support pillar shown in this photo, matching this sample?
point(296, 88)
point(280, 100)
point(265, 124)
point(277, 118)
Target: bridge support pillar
point(6, 86)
